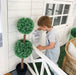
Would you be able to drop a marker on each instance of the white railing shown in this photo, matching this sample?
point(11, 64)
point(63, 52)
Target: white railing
point(45, 63)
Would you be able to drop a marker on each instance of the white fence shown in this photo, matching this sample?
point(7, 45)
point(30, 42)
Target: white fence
point(46, 63)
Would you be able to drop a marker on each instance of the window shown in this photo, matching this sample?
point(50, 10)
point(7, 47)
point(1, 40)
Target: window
point(56, 20)
point(66, 9)
point(64, 19)
point(59, 8)
point(58, 13)
point(50, 9)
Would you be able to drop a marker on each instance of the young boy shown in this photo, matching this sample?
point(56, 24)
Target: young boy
point(52, 41)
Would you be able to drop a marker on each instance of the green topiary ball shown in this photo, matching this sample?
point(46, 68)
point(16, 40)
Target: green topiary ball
point(73, 32)
point(23, 50)
point(25, 25)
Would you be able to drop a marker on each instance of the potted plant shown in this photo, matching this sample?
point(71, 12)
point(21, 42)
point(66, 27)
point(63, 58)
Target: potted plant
point(23, 47)
point(73, 33)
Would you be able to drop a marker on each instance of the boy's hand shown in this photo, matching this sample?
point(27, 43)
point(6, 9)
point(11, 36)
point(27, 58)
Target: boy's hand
point(40, 47)
point(39, 28)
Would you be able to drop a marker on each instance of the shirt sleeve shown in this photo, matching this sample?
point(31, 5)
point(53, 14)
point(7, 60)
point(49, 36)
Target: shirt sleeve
point(51, 38)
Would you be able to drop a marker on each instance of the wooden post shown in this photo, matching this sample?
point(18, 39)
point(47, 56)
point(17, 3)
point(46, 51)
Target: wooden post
point(22, 66)
point(24, 38)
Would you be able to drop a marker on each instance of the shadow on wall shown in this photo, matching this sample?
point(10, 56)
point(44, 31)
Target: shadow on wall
point(0, 39)
point(0, 27)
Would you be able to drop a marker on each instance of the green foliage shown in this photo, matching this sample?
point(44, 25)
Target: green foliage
point(61, 57)
point(23, 50)
point(71, 37)
point(73, 32)
point(25, 25)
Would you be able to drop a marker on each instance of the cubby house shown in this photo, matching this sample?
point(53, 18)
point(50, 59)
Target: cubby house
point(62, 14)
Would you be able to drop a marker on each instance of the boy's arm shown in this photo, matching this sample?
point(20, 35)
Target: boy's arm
point(52, 45)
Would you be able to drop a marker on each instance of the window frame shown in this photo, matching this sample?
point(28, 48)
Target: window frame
point(53, 16)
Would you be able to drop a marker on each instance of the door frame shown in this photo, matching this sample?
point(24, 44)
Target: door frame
point(68, 24)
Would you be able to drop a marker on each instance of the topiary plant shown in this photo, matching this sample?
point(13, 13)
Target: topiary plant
point(25, 25)
point(23, 48)
point(73, 33)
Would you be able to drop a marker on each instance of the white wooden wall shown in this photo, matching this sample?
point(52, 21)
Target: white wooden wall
point(74, 14)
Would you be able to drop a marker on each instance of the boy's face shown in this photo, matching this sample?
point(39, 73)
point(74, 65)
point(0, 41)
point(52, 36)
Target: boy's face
point(44, 28)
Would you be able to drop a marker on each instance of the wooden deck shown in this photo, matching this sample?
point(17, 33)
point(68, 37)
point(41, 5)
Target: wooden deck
point(8, 74)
